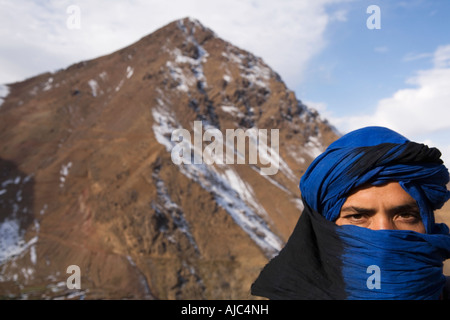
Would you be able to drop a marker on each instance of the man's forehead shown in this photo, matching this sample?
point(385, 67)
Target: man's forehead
point(391, 194)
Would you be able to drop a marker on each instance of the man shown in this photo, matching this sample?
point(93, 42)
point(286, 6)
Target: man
point(368, 229)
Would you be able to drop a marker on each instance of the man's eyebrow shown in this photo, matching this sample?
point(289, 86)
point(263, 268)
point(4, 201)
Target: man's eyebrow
point(357, 209)
point(412, 206)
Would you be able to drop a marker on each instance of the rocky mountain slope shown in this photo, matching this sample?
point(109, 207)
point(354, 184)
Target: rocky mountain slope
point(87, 176)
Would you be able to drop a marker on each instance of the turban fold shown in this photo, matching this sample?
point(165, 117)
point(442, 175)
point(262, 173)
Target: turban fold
point(324, 261)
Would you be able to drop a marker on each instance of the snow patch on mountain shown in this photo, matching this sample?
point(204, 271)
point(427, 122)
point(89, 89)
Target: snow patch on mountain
point(130, 71)
point(94, 87)
point(64, 173)
point(12, 241)
point(48, 84)
point(314, 147)
point(4, 92)
point(119, 85)
point(229, 190)
point(233, 110)
point(185, 70)
point(174, 210)
point(251, 68)
point(103, 75)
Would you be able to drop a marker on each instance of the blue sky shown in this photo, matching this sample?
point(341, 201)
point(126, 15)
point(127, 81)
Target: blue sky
point(359, 66)
point(397, 76)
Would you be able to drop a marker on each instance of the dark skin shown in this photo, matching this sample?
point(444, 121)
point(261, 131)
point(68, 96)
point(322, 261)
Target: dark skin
point(385, 207)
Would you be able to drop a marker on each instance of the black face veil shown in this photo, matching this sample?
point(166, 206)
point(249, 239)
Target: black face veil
point(308, 267)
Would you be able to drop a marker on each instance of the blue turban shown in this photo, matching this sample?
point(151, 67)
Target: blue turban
point(376, 155)
point(324, 261)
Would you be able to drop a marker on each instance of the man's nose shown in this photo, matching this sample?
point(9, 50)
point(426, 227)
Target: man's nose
point(382, 221)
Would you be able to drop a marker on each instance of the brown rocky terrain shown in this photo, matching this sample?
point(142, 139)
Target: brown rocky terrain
point(87, 177)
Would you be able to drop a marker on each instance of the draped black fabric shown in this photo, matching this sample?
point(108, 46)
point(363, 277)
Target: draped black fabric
point(391, 153)
point(308, 267)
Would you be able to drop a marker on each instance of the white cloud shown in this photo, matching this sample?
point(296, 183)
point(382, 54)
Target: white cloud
point(442, 57)
point(34, 36)
point(411, 56)
point(340, 15)
point(421, 113)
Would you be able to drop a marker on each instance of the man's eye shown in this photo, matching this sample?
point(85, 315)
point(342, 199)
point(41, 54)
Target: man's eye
point(355, 217)
point(410, 217)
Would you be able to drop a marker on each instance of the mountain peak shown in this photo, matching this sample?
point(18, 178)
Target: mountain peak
point(89, 177)
point(190, 25)
point(190, 28)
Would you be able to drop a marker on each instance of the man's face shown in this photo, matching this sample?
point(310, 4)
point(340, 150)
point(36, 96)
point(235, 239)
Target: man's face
point(386, 207)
